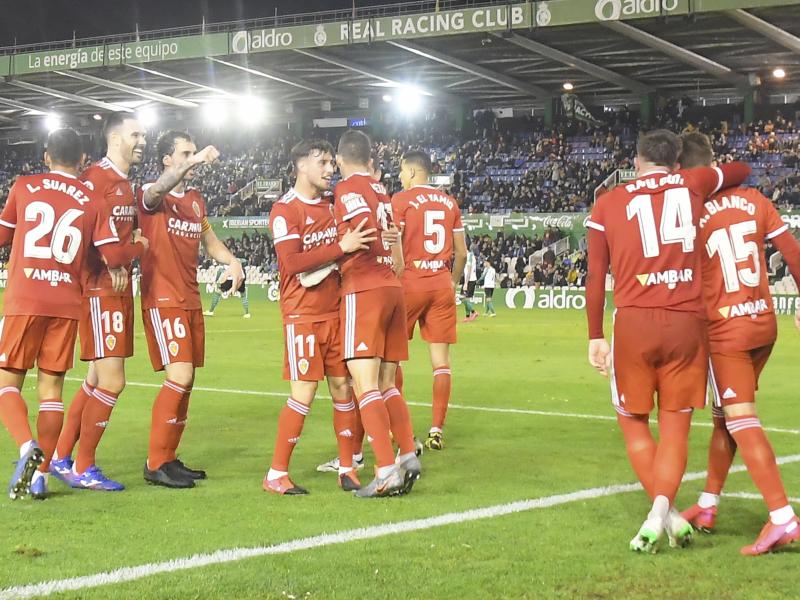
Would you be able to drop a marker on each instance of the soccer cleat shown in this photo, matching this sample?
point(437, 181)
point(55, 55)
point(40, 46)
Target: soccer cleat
point(492, 315)
point(435, 441)
point(701, 519)
point(773, 537)
point(247, 316)
point(332, 466)
point(93, 479)
point(208, 313)
point(411, 470)
point(191, 473)
point(679, 530)
point(473, 317)
point(168, 475)
point(62, 469)
point(39, 488)
point(646, 540)
point(20, 483)
point(283, 486)
point(349, 481)
point(391, 485)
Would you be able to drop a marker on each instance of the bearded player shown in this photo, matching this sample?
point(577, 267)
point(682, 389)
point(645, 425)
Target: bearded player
point(308, 246)
point(430, 222)
point(106, 324)
point(734, 225)
point(174, 217)
point(646, 230)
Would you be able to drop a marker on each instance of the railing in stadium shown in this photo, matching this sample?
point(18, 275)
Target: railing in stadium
point(312, 18)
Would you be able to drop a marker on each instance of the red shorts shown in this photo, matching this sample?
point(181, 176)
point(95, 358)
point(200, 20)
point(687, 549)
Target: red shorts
point(49, 342)
point(733, 376)
point(373, 323)
point(106, 327)
point(312, 351)
point(174, 335)
point(658, 351)
point(435, 310)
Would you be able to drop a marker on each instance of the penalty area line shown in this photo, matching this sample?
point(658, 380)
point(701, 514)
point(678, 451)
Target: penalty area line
point(490, 409)
point(126, 574)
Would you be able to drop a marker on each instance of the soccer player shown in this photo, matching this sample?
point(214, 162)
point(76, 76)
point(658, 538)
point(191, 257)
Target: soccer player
point(489, 281)
point(307, 243)
point(173, 216)
point(106, 324)
point(734, 225)
point(51, 220)
point(223, 282)
point(373, 320)
point(646, 229)
point(430, 221)
point(470, 282)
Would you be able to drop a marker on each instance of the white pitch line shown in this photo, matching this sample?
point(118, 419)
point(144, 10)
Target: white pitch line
point(518, 411)
point(126, 574)
point(752, 496)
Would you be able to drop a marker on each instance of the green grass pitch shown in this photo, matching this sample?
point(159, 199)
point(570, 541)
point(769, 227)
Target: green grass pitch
point(530, 360)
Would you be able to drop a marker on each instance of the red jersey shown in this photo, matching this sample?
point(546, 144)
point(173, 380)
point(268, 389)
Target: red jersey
point(733, 227)
point(169, 269)
point(356, 198)
point(55, 220)
point(650, 226)
point(112, 185)
point(428, 218)
point(303, 230)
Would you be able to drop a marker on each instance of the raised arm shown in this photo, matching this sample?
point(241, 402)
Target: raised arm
point(172, 176)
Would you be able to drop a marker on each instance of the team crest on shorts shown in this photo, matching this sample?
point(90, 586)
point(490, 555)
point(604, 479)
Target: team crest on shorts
point(111, 341)
point(173, 348)
point(196, 208)
point(302, 364)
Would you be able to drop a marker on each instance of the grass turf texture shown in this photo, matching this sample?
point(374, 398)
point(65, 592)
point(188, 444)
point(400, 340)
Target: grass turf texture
point(522, 359)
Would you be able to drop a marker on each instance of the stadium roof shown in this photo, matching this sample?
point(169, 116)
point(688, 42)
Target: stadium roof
point(478, 54)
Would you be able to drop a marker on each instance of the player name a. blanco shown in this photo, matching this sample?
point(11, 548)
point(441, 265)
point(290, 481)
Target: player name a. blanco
point(425, 198)
point(744, 308)
point(54, 276)
point(726, 202)
point(654, 183)
point(184, 228)
point(312, 239)
point(65, 188)
point(429, 265)
point(671, 277)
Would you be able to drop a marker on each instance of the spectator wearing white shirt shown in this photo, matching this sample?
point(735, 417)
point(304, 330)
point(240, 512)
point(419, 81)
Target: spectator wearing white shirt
point(489, 281)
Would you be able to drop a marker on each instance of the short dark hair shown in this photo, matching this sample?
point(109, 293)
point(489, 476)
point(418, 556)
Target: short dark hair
point(166, 144)
point(355, 147)
point(64, 147)
point(696, 150)
point(307, 147)
point(114, 120)
point(660, 147)
point(419, 159)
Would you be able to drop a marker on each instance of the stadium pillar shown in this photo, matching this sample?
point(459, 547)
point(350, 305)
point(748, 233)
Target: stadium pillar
point(550, 111)
point(749, 105)
point(646, 109)
point(459, 114)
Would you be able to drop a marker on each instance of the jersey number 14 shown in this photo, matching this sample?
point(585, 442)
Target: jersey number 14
point(676, 221)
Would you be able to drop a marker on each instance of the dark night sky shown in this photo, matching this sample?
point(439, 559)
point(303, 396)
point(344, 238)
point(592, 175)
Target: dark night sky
point(35, 21)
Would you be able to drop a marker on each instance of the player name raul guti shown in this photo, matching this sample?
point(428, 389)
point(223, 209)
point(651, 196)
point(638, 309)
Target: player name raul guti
point(654, 183)
point(717, 205)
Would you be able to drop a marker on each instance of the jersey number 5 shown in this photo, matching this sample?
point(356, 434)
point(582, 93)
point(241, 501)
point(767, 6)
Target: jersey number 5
point(65, 240)
point(676, 221)
point(434, 232)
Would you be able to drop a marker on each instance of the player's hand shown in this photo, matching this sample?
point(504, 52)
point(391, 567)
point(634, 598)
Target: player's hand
point(236, 271)
point(119, 279)
point(357, 239)
point(139, 238)
point(206, 156)
point(390, 236)
point(600, 356)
